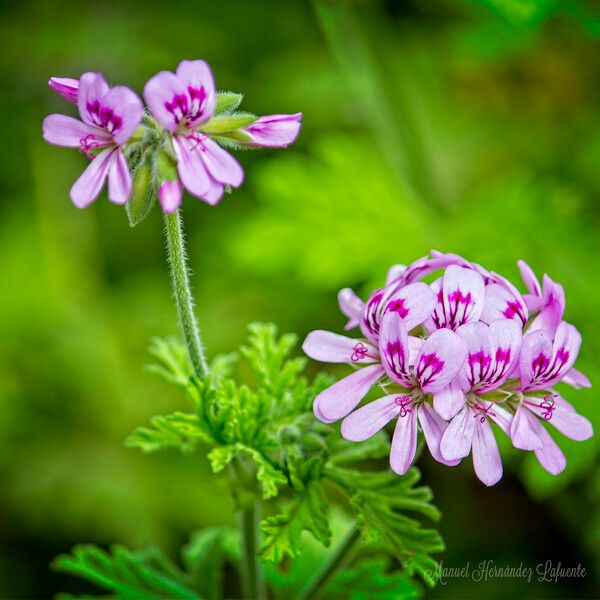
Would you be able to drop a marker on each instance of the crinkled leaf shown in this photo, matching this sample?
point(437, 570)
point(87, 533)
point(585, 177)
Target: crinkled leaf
point(173, 363)
point(129, 575)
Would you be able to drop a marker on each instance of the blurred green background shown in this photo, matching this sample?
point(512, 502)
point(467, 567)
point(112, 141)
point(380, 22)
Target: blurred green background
point(461, 125)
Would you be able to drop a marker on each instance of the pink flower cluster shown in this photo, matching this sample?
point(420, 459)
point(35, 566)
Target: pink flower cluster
point(455, 356)
point(182, 104)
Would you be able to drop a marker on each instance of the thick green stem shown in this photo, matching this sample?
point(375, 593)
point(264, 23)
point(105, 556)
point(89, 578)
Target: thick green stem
point(183, 293)
point(253, 586)
point(316, 584)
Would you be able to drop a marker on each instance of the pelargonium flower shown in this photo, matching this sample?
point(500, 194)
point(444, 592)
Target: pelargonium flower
point(454, 357)
point(109, 116)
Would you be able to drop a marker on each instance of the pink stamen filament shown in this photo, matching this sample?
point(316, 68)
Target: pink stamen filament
point(403, 402)
point(483, 412)
point(359, 352)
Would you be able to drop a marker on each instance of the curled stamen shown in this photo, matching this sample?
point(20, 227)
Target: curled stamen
point(359, 352)
point(403, 402)
point(548, 406)
point(483, 412)
point(88, 143)
point(197, 138)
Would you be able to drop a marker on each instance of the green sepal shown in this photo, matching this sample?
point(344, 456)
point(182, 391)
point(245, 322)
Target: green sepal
point(228, 123)
point(143, 193)
point(227, 102)
point(166, 167)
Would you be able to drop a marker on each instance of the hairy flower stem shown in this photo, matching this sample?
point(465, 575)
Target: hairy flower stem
point(316, 584)
point(183, 293)
point(253, 586)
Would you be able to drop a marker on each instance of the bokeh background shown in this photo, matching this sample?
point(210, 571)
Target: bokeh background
point(461, 125)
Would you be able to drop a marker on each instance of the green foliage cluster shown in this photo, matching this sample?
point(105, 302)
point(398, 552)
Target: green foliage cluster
point(276, 450)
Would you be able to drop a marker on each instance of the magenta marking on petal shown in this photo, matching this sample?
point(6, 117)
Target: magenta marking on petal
point(429, 366)
point(403, 402)
point(198, 97)
point(370, 318)
point(104, 117)
point(483, 412)
point(178, 107)
point(394, 357)
point(539, 364)
point(514, 308)
point(197, 138)
point(483, 361)
point(359, 352)
point(398, 307)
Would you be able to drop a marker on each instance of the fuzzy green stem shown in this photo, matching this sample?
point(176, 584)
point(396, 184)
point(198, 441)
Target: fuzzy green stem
point(253, 587)
point(183, 293)
point(317, 584)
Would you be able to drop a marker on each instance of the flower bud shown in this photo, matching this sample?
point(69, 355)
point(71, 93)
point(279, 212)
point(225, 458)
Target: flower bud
point(274, 131)
point(66, 87)
point(169, 196)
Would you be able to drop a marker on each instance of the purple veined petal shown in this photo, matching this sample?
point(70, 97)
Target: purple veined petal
point(62, 130)
point(462, 297)
point(404, 443)
point(394, 273)
point(529, 279)
point(535, 357)
point(351, 306)
point(167, 98)
point(502, 303)
point(370, 318)
point(274, 131)
point(549, 455)
point(414, 303)
point(562, 415)
point(190, 166)
point(65, 86)
point(499, 415)
point(342, 397)
point(552, 309)
point(90, 183)
point(441, 358)
point(119, 179)
point(394, 349)
point(433, 427)
point(449, 401)
point(480, 358)
point(414, 348)
point(198, 79)
point(458, 437)
point(565, 350)
point(522, 434)
point(215, 192)
point(326, 346)
point(486, 456)
point(169, 196)
point(123, 111)
point(92, 88)
point(577, 379)
point(220, 164)
point(366, 421)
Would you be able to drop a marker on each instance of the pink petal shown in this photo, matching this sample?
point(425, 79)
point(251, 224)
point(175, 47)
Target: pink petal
point(552, 309)
point(160, 91)
point(441, 358)
point(458, 437)
point(499, 415)
point(119, 179)
point(433, 427)
point(124, 103)
point(550, 455)
point(215, 192)
point(196, 75)
point(449, 401)
point(577, 379)
point(567, 342)
point(68, 88)
point(326, 346)
point(414, 303)
point(92, 88)
point(220, 164)
point(394, 273)
point(502, 303)
point(394, 350)
point(486, 456)
point(343, 396)
point(190, 167)
point(351, 306)
point(62, 130)
point(370, 418)
point(415, 344)
point(274, 131)
point(404, 443)
point(89, 185)
point(522, 434)
point(169, 196)
point(536, 349)
point(564, 418)
point(529, 279)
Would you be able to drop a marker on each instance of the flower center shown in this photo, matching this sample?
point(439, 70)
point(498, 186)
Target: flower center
point(404, 402)
point(481, 412)
point(359, 352)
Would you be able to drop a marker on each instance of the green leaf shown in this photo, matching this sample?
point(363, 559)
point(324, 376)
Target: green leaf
point(268, 475)
point(173, 361)
point(380, 502)
point(142, 196)
point(227, 102)
point(141, 575)
point(204, 558)
point(177, 430)
point(371, 580)
point(343, 451)
point(307, 511)
point(228, 123)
